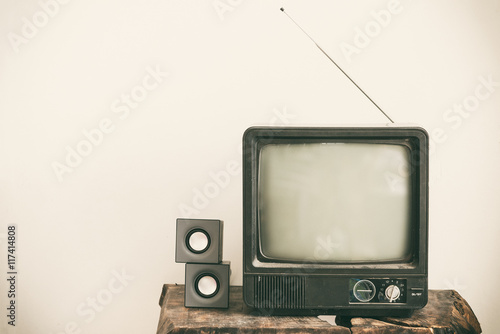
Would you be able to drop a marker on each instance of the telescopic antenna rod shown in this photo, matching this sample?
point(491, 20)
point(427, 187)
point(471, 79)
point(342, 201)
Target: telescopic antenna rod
point(341, 70)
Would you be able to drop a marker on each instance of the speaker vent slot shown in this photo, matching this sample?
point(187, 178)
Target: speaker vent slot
point(280, 292)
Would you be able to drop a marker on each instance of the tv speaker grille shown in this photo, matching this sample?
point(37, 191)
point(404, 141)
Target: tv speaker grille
point(280, 292)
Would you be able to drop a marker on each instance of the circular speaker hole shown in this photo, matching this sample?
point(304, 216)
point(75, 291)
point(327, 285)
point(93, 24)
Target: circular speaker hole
point(198, 241)
point(207, 285)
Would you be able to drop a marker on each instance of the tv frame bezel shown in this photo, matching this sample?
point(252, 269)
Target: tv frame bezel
point(256, 136)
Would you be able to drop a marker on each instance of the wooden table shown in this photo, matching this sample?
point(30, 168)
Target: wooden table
point(446, 313)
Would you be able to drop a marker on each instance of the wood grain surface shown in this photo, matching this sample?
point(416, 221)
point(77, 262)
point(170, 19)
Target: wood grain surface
point(446, 312)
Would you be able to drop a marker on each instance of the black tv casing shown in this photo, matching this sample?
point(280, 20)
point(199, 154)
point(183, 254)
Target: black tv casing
point(281, 287)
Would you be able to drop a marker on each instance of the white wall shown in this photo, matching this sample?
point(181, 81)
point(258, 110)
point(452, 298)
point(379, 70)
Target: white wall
point(67, 70)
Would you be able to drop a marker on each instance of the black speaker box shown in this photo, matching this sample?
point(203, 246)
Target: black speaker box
point(207, 285)
point(198, 241)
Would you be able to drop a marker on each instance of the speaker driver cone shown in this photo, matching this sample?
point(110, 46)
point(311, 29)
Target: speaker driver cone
point(207, 285)
point(198, 241)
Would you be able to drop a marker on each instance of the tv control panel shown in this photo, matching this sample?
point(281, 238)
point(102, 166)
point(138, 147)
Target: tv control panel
point(379, 290)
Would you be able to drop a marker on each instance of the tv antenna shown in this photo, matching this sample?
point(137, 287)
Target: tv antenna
point(341, 70)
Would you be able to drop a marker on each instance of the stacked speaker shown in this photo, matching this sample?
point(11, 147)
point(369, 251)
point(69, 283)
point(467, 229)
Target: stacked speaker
point(199, 246)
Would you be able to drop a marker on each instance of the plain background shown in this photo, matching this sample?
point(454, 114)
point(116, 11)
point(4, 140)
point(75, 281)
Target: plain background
point(96, 243)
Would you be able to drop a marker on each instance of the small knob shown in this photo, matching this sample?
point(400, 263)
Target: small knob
point(364, 290)
point(392, 293)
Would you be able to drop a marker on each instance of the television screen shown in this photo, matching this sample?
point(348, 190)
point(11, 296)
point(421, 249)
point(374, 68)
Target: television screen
point(334, 202)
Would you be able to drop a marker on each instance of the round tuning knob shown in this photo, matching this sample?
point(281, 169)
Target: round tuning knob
point(392, 293)
point(364, 290)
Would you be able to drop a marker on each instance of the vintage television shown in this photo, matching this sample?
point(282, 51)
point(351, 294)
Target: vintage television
point(335, 220)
